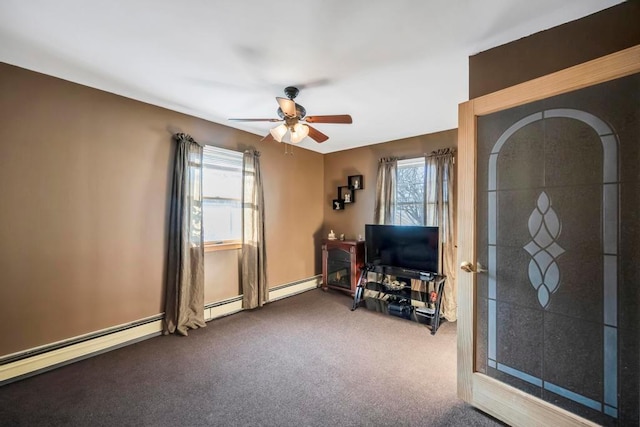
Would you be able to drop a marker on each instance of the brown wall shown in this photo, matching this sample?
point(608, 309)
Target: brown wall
point(85, 176)
point(221, 279)
point(84, 186)
point(558, 48)
point(364, 161)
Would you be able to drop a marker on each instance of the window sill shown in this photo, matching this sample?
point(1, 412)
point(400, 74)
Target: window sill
point(224, 246)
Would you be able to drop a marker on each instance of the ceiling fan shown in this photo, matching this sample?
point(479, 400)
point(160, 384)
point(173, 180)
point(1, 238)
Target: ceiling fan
point(291, 114)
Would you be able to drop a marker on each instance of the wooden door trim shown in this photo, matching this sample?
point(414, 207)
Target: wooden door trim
point(610, 67)
point(466, 230)
point(496, 398)
point(520, 408)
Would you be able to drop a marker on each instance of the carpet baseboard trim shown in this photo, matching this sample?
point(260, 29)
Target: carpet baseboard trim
point(294, 288)
point(32, 365)
point(224, 308)
point(48, 348)
point(24, 364)
point(223, 302)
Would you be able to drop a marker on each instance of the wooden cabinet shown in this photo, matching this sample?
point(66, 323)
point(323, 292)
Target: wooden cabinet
point(342, 261)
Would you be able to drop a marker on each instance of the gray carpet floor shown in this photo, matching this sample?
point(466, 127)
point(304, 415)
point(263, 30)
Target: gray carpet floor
point(306, 360)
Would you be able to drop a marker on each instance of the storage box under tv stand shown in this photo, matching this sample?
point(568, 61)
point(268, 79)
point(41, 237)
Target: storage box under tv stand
point(403, 299)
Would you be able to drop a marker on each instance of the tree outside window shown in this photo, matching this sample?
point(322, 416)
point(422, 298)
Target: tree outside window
point(410, 186)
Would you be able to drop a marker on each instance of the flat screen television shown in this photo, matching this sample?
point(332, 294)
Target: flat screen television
point(407, 247)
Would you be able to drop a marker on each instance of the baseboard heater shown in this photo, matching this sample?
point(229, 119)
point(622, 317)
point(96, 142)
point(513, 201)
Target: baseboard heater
point(16, 366)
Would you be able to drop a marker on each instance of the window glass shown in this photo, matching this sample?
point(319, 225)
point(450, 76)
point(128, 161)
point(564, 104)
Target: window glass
point(222, 195)
point(410, 192)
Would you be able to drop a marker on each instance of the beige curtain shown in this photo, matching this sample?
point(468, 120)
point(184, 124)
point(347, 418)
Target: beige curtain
point(386, 191)
point(439, 210)
point(184, 305)
point(254, 265)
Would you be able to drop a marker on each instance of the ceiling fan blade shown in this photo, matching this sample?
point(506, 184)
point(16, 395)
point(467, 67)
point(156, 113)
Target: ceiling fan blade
point(287, 106)
point(339, 118)
point(267, 138)
point(256, 120)
point(316, 135)
point(313, 83)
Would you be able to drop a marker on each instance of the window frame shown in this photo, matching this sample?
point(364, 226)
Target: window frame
point(229, 244)
point(406, 163)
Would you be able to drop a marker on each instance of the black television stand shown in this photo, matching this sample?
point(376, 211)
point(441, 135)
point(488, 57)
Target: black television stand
point(399, 297)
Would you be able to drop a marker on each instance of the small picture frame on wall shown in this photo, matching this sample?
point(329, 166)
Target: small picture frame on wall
point(355, 182)
point(338, 205)
point(346, 194)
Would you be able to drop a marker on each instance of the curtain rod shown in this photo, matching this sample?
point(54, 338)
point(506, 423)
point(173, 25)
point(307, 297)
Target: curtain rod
point(181, 135)
point(432, 154)
point(451, 150)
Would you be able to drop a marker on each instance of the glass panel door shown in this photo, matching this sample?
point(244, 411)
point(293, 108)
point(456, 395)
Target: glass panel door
point(558, 232)
point(339, 268)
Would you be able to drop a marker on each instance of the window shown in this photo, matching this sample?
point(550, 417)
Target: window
point(221, 197)
point(410, 186)
point(417, 189)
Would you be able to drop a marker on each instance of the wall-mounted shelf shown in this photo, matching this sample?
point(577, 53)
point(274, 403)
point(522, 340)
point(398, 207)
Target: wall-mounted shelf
point(355, 182)
point(347, 193)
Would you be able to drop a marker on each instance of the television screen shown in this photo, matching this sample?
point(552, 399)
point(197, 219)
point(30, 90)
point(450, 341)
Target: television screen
point(403, 246)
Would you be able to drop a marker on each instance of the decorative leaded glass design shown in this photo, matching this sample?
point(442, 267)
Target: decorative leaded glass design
point(558, 195)
point(544, 227)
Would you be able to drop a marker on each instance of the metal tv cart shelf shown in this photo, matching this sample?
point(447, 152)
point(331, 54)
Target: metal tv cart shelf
point(393, 292)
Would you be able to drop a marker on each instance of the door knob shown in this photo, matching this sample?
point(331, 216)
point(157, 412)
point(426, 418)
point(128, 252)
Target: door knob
point(466, 266)
point(470, 268)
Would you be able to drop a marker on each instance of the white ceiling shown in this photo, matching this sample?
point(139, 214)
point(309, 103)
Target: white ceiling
point(399, 67)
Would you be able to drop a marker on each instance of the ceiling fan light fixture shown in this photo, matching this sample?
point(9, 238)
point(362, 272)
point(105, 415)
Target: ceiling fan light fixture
point(292, 113)
point(299, 132)
point(278, 132)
